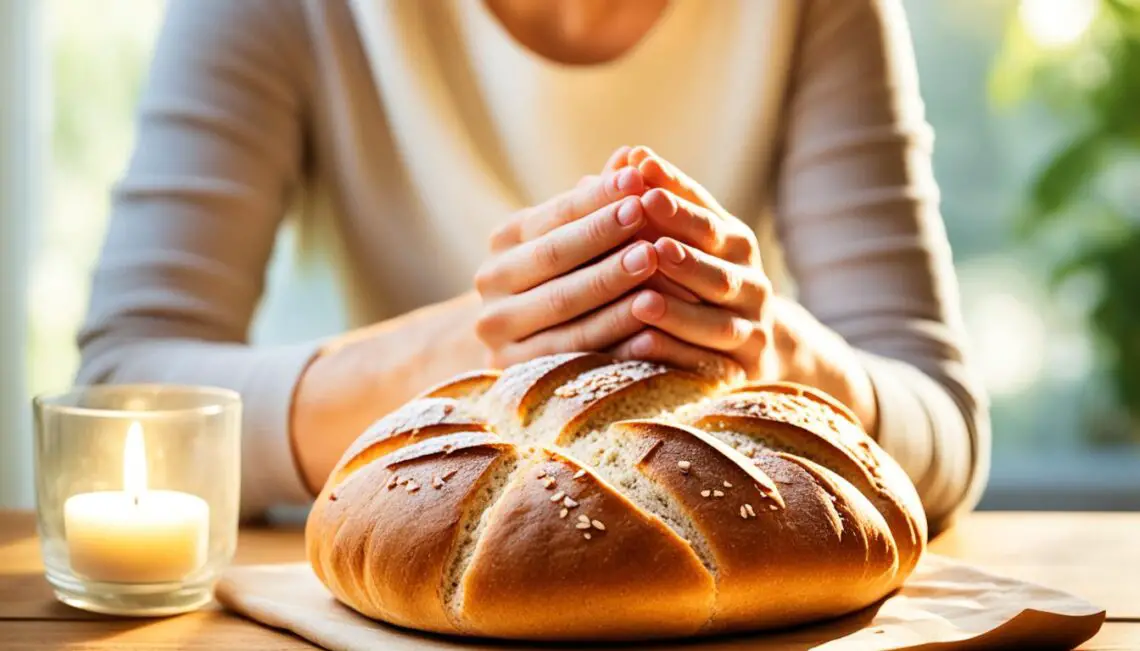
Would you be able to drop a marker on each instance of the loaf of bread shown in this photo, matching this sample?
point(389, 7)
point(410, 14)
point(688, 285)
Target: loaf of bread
point(576, 497)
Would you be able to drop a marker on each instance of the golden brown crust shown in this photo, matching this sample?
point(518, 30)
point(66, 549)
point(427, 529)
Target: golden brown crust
point(463, 385)
point(604, 556)
point(576, 402)
point(791, 388)
point(382, 540)
point(525, 387)
point(793, 514)
point(768, 532)
point(798, 423)
point(415, 421)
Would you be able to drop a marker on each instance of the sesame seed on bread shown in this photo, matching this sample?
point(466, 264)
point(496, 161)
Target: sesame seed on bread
point(578, 497)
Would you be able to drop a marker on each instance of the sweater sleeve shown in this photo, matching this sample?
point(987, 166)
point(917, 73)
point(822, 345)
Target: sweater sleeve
point(194, 220)
point(857, 212)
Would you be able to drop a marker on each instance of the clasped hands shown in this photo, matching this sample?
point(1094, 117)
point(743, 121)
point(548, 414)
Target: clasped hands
point(639, 261)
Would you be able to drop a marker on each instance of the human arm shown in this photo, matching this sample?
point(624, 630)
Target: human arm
point(859, 220)
point(876, 321)
point(220, 150)
point(193, 223)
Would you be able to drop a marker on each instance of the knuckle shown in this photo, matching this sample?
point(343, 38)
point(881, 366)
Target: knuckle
point(733, 282)
point(726, 330)
point(610, 326)
point(483, 331)
point(617, 322)
point(653, 343)
point(502, 236)
point(705, 228)
point(765, 284)
point(576, 338)
point(547, 254)
point(606, 188)
point(739, 331)
point(720, 281)
point(751, 357)
point(597, 228)
point(748, 236)
point(738, 247)
point(486, 326)
point(486, 279)
point(761, 337)
point(751, 362)
point(558, 300)
point(763, 289)
point(755, 296)
point(522, 215)
point(564, 208)
point(491, 327)
point(600, 285)
point(620, 314)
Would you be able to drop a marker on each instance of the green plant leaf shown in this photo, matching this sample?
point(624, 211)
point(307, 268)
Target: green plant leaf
point(1086, 260)
point(1105, 232)
point(1065, 180)
point(1125, 12)
point(1100, 90)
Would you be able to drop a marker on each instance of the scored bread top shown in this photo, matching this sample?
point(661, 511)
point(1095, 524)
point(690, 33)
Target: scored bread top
point(416, 420)
point(600, 554)
point(434, 487)
point(577, 497)
point(743, 516)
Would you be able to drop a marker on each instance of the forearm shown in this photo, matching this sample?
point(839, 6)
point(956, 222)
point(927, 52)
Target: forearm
point(934, 420)
point(363, 375)
point(929, 417)
point(810, 353)
point(265, 378)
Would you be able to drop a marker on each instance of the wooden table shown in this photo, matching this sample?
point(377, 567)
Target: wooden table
point(1094, 555)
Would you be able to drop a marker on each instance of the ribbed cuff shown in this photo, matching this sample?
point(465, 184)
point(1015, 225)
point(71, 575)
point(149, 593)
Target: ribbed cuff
point(269, 471)
point(933, 437)
point(904, 427)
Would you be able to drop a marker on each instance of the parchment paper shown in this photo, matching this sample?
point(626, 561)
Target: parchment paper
point(944, 605)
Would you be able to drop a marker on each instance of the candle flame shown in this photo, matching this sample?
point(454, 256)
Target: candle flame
point(134, 463)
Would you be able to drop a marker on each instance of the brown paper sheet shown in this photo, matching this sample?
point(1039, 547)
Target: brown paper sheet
point(944, 605)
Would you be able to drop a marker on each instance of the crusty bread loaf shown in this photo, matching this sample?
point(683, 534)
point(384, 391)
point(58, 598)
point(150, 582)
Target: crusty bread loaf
point(576, 497)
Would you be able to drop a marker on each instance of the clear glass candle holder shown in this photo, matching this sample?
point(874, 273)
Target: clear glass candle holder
point(137, 490)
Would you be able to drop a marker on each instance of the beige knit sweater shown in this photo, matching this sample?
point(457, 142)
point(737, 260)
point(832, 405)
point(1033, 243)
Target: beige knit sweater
point(413, 127)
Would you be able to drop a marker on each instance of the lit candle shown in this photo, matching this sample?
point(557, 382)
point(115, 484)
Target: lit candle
point(136, 535)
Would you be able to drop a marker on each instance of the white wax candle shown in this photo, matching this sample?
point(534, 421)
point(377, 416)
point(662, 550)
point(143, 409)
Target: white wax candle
point(136, 535)
point(163, 537)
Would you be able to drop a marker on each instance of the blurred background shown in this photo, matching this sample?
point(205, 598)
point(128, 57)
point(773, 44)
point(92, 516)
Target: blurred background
point(1036, 106)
